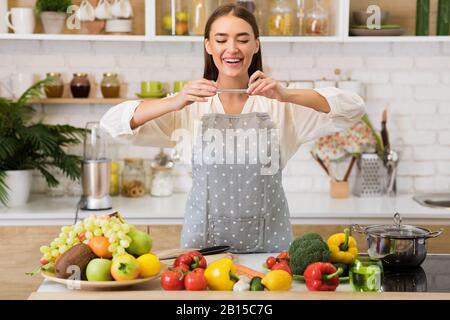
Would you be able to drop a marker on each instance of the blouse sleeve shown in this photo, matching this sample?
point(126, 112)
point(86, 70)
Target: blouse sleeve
point(305, 124)
point(156, 133)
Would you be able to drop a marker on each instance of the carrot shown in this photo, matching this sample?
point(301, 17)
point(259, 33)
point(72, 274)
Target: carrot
point(246, 271)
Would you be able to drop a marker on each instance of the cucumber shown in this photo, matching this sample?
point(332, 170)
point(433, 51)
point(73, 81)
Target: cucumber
point(443, 18)
point(423, 18)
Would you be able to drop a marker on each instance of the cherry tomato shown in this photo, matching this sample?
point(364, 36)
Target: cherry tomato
point(270, 262)
point(43, 261)
point(82, 236)
point(195, 280)
point(172, 280)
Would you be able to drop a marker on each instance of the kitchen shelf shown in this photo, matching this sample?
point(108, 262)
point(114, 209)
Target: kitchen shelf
point(87, 101)
point(71, 37)
point(340, 25)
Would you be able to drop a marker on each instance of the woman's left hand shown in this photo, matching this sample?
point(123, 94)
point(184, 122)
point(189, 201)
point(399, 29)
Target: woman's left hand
point(261, 85)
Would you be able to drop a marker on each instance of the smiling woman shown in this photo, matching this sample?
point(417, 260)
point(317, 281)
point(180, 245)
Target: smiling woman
point(244, 127)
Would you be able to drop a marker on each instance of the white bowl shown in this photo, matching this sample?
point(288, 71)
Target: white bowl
point(119, 25)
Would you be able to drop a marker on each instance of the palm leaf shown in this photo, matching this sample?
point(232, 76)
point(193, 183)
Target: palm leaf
point(8, 147)
point(4, 197)
point(35, 91)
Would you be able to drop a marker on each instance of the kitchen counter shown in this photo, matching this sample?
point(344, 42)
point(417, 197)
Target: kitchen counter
point(305, 208)
point(152, 291)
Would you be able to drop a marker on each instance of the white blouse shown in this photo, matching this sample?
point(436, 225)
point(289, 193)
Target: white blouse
point(296, 124)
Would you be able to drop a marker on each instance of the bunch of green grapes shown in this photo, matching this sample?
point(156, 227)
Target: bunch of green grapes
point(111, 227)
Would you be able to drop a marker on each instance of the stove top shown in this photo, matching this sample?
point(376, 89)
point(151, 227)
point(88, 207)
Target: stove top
point(432, 276)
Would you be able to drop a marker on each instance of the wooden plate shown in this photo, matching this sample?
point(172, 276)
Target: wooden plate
point(99, 285)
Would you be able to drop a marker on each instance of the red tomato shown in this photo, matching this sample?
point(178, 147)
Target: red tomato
point(172, 280)
point(195, 280)
point(283, 265)
point(43, 261)
point(270, 262)
point(82, 236)
point(183, 268)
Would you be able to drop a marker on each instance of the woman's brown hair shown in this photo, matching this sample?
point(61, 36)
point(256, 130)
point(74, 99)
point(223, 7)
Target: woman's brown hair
point(211, 72)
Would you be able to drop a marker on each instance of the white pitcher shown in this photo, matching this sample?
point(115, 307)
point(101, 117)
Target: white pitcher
point(86, 11)
point(122, 9)
point(103, 10)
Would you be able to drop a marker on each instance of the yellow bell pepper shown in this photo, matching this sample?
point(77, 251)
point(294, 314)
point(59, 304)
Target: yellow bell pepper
point(221, 275)
point(343, 247)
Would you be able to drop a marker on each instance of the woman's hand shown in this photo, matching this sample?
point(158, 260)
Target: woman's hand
point(195, 91)
point(261, 85)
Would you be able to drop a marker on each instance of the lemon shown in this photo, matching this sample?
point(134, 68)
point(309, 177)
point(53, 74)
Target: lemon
point(150, 265)
point(277, 280)
point(114, 167)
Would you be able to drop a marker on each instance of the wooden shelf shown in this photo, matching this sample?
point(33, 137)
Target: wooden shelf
point(98, 101)
point(148, 21)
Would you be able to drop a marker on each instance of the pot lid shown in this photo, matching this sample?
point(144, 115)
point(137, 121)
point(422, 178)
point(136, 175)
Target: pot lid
point(397, 230)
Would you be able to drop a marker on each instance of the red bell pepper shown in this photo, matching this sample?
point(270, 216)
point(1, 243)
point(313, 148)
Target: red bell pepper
point(284, 255)
point(322, 276)
point(193, 259)
point(198, 260)
point(282, 265)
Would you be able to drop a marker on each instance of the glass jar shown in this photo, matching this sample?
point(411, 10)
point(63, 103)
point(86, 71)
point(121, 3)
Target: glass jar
point(162, 180)
point(250, 5)
point(56, 88)
point(281, 19)
point(133, 178)
point(80, 85)
point(114, 187)
point(181, 18)
point(317, 20)
point(110, 85)
point(300, 17)
point(199, 12)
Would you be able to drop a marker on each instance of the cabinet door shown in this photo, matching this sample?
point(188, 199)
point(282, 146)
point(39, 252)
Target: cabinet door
point(19, 247)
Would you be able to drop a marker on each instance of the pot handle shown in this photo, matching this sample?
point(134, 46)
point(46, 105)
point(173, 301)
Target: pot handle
point(435, 234)
point(358, 228)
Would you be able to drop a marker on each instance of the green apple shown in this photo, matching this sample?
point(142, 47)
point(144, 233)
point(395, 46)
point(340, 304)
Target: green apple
point(99, 270)
point(125, 267)
point(141, 243)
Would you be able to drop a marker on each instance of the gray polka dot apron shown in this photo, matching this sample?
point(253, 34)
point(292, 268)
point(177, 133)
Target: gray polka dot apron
point(237, 199)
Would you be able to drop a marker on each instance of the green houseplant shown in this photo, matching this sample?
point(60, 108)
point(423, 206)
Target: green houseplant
point(53, 14)
point(26, 144)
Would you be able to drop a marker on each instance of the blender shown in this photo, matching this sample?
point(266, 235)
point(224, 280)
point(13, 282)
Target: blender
point(95, 170)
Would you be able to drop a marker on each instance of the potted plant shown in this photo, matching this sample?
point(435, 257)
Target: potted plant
point(27, 144)
point(53, 14)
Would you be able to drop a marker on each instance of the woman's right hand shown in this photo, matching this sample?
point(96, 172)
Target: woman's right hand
point(195, 91)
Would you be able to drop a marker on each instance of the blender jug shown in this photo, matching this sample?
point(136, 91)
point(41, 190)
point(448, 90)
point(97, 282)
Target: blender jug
point(95, 170)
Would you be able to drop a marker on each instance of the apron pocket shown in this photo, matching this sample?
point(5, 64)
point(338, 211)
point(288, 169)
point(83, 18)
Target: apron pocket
point(242, 235)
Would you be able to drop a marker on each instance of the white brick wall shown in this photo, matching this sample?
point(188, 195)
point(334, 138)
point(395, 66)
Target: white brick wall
point(411, 80)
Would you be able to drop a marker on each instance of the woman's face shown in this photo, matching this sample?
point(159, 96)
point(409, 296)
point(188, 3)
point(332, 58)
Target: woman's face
point(232, 45)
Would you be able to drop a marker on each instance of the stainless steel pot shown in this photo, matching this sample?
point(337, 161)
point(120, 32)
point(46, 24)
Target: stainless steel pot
point(397, 245)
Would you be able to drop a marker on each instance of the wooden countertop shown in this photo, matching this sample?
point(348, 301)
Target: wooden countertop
point(223, 295)
point(152, 290)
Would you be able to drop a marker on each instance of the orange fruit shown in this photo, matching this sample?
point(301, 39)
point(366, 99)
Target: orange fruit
point(99, 246)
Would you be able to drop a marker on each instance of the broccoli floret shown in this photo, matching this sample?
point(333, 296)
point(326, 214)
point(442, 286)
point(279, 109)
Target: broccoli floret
point(307, 236)
point(307, 252)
